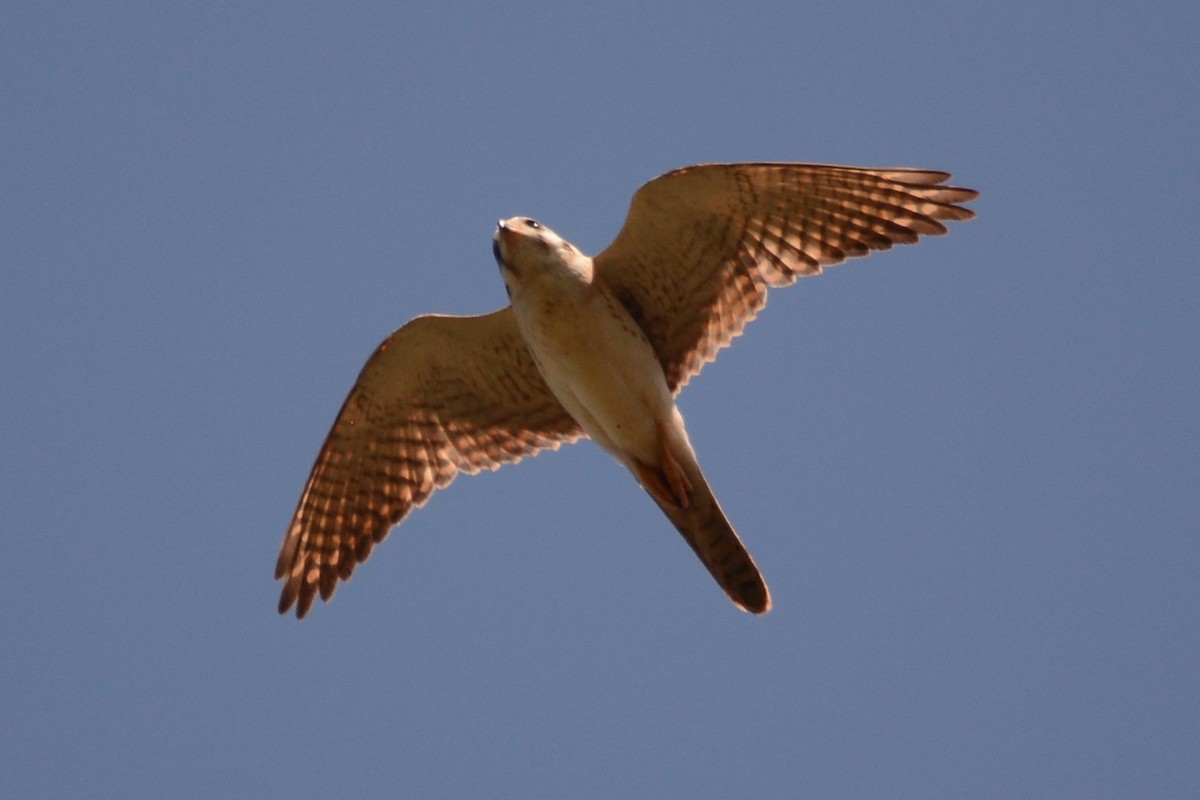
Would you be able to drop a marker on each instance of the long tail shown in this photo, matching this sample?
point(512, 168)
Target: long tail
point(705, 527)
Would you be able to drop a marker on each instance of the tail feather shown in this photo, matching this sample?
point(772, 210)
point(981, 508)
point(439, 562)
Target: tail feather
point(705, 528)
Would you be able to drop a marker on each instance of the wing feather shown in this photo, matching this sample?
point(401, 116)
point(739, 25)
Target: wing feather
point(442, 395)
point(701, 245)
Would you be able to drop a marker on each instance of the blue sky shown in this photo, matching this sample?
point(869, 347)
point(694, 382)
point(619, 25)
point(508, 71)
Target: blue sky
point(968, 469)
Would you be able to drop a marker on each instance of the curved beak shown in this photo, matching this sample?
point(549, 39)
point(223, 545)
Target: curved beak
point(497, 241)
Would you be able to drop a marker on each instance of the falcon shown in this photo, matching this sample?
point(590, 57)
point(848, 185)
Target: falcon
point(595, 347)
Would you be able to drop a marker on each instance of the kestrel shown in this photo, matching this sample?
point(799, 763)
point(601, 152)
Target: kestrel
point(595, 347)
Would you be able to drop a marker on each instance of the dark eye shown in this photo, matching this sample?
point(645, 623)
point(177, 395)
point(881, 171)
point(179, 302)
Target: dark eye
point(533, 223)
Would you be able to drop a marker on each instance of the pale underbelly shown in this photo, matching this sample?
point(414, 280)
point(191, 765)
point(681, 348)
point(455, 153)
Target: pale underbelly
point(606, 375)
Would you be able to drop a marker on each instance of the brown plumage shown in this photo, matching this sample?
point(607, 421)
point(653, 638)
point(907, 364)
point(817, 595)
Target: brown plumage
point(689, 269)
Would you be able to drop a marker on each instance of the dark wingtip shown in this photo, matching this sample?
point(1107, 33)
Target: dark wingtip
point(292, 595)
point(286, 598)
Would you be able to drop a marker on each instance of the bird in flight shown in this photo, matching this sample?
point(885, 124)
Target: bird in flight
point(595, 347)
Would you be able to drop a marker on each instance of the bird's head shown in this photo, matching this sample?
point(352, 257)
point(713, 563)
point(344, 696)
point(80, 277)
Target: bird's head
point(527, 250)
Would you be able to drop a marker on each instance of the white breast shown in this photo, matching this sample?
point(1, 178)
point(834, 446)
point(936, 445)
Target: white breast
point(598, 362)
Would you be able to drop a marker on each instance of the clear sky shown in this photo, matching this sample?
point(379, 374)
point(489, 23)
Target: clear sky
point(968, 469)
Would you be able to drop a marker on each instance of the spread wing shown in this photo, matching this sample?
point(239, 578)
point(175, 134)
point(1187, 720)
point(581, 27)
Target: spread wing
point(440, 396)
point(701, 245)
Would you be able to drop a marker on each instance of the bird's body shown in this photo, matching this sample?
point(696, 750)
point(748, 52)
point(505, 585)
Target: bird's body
point(595, 347)
point(597, 361)
point(593, 356)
